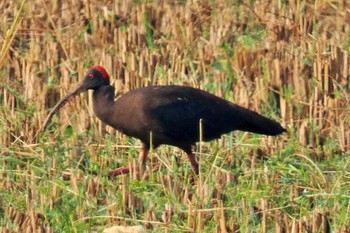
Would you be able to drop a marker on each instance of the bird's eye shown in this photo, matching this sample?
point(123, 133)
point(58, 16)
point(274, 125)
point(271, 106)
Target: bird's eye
point(91, 76)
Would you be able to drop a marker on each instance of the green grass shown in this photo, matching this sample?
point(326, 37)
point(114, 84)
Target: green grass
point(288, 180)
point(281, 61)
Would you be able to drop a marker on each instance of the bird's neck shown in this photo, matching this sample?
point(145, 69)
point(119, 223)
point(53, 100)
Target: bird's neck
point(103, 100)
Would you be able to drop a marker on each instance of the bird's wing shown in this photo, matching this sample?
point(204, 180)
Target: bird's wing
point(180, 117)
point(176, 113)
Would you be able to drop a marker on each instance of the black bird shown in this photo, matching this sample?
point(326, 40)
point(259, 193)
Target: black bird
point(171, 114)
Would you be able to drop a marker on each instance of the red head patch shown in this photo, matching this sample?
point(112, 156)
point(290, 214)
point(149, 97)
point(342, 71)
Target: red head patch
point(101, 70)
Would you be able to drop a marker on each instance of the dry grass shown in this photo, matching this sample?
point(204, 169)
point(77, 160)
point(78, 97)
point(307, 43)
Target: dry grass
point(288, 61)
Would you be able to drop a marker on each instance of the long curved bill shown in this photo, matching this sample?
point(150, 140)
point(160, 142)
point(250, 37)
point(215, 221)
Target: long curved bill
point(73, 92)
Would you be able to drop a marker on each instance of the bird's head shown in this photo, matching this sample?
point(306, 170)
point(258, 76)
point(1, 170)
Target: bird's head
point(94, 78)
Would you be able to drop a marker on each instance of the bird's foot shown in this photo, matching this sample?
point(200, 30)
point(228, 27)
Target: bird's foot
point(119, 171)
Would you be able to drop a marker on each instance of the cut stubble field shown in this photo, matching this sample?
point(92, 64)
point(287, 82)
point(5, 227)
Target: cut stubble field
point(288, 60)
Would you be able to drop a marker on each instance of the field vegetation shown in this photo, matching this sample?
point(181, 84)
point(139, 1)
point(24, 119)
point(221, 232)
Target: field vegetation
point(288, 60)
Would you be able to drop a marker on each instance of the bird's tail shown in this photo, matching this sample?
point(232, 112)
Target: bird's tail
point(256, 123)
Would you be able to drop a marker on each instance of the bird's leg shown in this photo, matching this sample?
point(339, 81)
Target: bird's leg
point(143, 158)
point(144, 155)
point(119, 171)
point(126, 170)
point(193, 162)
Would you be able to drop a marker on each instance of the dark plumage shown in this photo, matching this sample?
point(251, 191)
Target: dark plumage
point(171, 113)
